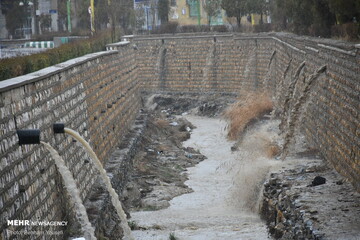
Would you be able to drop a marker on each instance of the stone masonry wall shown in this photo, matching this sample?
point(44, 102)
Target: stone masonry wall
point(315, 83)
point(205, 63)
point(96, 95)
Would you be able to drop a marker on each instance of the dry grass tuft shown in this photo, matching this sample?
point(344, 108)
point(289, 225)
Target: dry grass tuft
point(272, 150)
point(246, 109)
point(161, 123)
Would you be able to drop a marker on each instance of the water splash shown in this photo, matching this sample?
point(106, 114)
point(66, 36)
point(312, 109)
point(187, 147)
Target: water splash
point(280, 85)
point(210, 211)
point(267, 78)
point(161, 68)
point(290, 96)
point(296, 112)
point(252, 165)
point(209, 68)
point(250, 72)
point(69, 182)
point(113, 195)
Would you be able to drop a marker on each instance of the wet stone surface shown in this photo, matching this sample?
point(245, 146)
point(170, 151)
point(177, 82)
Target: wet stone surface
point(309, 200)
point(304, 198)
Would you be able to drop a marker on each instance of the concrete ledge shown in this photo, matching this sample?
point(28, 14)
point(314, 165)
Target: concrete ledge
point(113, 46)
point(157, 37)
point(312, 49)
point(289, 45)
point(351, 53)
point(127, 38)
point(52, 70)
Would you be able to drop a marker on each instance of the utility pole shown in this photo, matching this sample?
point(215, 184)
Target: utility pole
point(92, 16)
point(198, 10)
point(68, 6)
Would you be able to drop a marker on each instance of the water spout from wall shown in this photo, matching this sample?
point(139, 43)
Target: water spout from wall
point(279, 88)
point(69, 182)
point(267, 78)
point(161, 68)
point(113, 195)
point(209, 68)
point(32, 136)
point(297, 111)
point(290, 96)
point(250, 72)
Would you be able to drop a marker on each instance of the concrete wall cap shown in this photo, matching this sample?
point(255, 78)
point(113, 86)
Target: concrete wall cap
point(52, 70)
point(122, 43)
point(336, 49)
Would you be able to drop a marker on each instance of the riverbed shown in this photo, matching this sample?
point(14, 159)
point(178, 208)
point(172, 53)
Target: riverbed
point(223, 205)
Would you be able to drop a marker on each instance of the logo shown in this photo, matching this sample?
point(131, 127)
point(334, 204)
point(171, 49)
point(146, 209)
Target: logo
point(17, 222)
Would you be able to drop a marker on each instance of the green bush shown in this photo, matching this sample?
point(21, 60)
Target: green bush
point(347, 31)
point(17, 66)
point(170, 27)
point(219, 28)
point(195, 28)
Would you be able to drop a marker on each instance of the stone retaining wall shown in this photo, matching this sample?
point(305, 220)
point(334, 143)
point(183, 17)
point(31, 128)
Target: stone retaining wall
point(314, 82)
point(96, 95)
point(321, 100)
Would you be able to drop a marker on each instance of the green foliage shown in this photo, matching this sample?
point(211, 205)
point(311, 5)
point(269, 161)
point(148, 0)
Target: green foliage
point(235, 8)
point(195, 28)
point(172, 236)
point(240, 8)
point(212, 8)
point(345, 10)
point(163, 10)
point(13, 67)
point(16, 18)
point(316, 17)
point(170, 27)
point(133, 225)
point(219, 28)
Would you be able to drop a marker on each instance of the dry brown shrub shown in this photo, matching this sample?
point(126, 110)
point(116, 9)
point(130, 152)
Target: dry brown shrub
point(161, 123)
point(272, 150)
point(246, 109)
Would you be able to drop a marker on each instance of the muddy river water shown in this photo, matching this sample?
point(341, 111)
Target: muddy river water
point(216, 208)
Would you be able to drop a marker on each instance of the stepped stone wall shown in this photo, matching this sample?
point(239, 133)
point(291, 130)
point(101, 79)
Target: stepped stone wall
point(96, 95)
point(314, 83)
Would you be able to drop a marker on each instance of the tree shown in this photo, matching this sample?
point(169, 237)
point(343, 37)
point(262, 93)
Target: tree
point(323, 19)
point(258, 7)
point(234, 8)
point(163, 10)
point(212, 8)
point(15, 19)
point(278, 13)
point(345, 10)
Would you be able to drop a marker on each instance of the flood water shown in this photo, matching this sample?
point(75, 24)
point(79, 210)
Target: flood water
point(217, 209)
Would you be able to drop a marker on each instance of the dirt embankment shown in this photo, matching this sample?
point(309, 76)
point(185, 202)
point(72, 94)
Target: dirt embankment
point(159, 170)
point(304, 198)
point(309, 200)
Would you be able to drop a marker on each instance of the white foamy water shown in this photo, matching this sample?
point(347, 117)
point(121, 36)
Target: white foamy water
point(73, 191)
point(215, 209)
point(113, 195)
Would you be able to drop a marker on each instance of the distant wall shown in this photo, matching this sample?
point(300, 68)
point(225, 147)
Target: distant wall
point(204, 63)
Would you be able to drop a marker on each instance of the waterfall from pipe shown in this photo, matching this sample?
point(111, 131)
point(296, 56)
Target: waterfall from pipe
point(69, 182)
point(113, 195)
